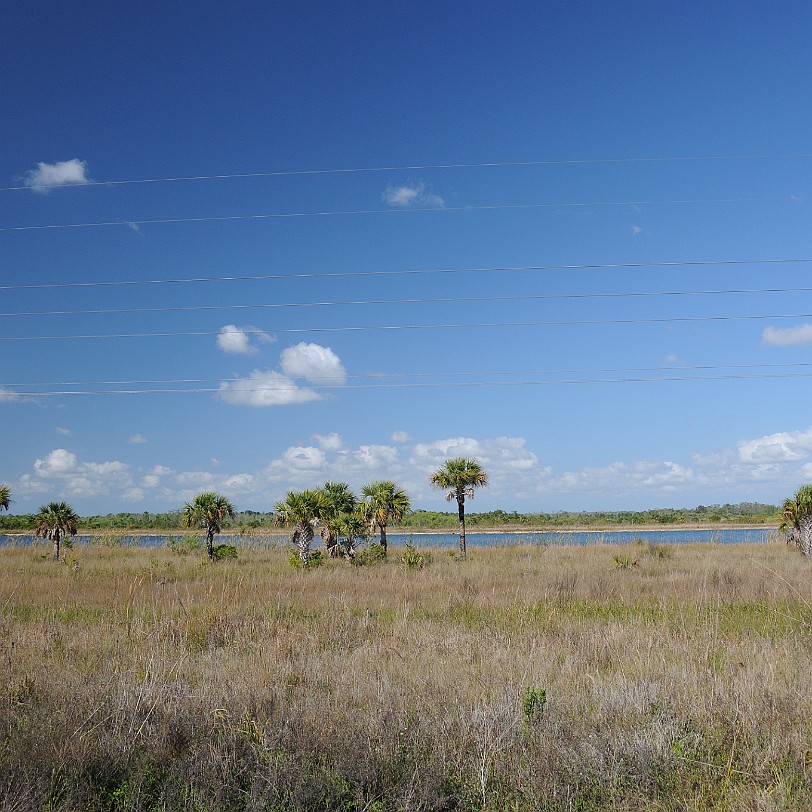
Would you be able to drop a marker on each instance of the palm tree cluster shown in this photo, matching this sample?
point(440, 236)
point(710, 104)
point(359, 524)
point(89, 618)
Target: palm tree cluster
point(341, 518)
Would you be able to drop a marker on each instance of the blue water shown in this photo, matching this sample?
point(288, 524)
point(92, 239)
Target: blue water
point(714, 536)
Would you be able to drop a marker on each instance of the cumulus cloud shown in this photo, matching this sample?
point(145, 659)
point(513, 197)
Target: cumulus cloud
point(787, 336)
point(400, 437)
point(237, 340)
point(412, 194)
point(313, 362)
point(329, 442)
point(137, 439)
point(63, 431)
point(63, 173)
point(784, 446)
point(265, 388)
point(63, 469)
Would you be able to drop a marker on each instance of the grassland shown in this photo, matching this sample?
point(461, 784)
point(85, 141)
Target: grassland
point(638, 678)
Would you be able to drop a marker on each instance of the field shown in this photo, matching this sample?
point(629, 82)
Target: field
point(638, 678)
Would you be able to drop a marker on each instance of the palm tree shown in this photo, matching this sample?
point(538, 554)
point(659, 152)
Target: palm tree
point(208, 509)
point(797, 518)
point(383, 501)
point(54, 521)
point(350, 527)
point(303, 511)
point(5, 497)
point(341, 501)
point(459, 477)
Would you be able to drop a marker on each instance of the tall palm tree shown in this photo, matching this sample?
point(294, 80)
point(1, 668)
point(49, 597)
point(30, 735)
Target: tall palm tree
point(5, 497)
point(459, 477)
point(797, 518)
point(382, 501)
point(341, 501)
point(208, 509)
point(54, 521)
point(303, 511)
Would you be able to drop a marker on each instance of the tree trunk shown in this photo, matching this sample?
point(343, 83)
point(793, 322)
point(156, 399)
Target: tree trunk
point(56, 544)
point(305, 537)
point(210, 544)
point(461, 512)
point(805, 536)
point(383, 539)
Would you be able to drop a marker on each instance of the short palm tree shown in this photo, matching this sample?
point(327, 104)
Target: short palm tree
point(54, 521)
point(351, 527)
point(303, 511)
point(5, 497)
point(383, 501)
point(341, 501)
point(209, 510)
point(459, 477)
point(797, 518)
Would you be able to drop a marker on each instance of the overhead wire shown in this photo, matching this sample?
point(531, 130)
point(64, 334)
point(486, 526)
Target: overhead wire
point(410, 210)
point(399, 327)
point(409, 168)
point(409, 271)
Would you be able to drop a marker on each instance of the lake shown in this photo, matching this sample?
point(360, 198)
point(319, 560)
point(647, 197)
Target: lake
point(761, 535)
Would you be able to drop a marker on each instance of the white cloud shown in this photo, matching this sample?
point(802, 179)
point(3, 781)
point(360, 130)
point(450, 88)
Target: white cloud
point(784, 446)
point(305, 457)
point(413, 194)
point(330, 442)
point(315, 363)
point(9, 396)
point(62, 469)
point(237, 340)
point(265, 388)
point(787, 336)
point(63, 173)
point(138, 439)
point(636, 230)
point(63, 431)
point(400, 437)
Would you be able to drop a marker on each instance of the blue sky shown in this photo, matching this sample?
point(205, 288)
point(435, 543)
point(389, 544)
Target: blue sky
point(555, 219)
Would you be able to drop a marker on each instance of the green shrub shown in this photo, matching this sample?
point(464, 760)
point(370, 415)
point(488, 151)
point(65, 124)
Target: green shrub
point(374, 554)
point(415, 559)
point(623, 562)
point(316, 560)
point(224, 551)
point(533, 703)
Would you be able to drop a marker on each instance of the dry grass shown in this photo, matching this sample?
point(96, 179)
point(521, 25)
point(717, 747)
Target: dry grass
point(675, 678)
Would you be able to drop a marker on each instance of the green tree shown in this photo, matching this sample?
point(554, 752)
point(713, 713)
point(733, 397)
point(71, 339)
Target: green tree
point(797, 518)
point(459, 477)
point(5, 497)
point(54, 521)
point(209, 510)
point(350, 528)
point(383, 501)
point(341, 501)
point(303, 511)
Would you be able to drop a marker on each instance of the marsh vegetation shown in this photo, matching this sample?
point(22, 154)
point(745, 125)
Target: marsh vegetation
point(646, 677)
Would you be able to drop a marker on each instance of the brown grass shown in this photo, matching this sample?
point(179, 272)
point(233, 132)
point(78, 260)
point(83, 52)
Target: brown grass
point(676, 678)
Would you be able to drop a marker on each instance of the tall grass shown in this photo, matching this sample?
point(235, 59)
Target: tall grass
point(521, 679)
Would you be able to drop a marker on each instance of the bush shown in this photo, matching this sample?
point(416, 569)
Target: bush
point(415, 559)
point(224, 551)
point(374, 554)
point(316, 560)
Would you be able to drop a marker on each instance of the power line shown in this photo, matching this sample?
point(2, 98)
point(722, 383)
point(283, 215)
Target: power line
point(400, 327)
point(432, 300)
point(424, 209)
point(453, 374)
point(445, 385)
point(412, 271)
point(412, 168)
